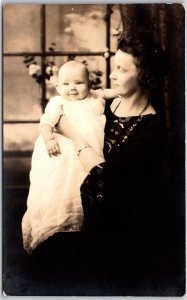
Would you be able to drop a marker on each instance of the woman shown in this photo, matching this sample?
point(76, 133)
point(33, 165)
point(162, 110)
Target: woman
point(125, 185)
point(121, 196)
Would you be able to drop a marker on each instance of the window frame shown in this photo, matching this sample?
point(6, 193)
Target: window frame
point(44, 53)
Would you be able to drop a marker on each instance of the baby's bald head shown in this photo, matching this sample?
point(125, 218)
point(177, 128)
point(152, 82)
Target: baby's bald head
point(74, 66)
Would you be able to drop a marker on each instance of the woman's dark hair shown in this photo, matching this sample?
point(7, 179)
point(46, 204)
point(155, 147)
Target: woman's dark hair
point(150, 59)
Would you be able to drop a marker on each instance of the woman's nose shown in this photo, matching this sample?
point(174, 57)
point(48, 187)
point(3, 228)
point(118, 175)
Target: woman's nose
point(112, 75)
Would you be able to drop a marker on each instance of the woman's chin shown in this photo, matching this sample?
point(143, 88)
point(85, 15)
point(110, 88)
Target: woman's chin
point(118, 89)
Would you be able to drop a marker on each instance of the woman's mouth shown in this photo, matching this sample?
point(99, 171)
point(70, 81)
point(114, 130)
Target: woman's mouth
point(73, 94)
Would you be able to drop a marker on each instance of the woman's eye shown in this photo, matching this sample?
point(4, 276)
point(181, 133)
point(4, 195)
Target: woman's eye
point(79, 82)
point(121, 69)
point(65, 83)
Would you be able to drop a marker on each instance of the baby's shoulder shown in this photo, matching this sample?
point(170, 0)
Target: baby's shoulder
point(56, 100)
point(54, 103)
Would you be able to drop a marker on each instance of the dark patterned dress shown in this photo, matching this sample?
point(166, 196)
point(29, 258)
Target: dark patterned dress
point(123, 193)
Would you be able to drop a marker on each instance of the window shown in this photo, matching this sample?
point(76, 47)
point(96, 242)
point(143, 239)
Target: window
point(87, 32)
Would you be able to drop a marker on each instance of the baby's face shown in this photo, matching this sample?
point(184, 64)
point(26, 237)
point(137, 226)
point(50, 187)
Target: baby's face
point(73, 83)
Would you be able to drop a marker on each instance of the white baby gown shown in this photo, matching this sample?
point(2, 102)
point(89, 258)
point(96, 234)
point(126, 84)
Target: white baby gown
point(54, 202)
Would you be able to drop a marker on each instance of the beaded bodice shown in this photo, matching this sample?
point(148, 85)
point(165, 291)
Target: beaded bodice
point(117, 129)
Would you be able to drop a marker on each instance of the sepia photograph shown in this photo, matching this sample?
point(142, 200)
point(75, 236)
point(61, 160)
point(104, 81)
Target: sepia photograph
point(93, 199)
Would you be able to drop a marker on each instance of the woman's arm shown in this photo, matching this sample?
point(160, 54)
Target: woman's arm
point(88, 157)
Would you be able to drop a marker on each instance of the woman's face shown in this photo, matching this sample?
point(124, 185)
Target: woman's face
point(125, 74)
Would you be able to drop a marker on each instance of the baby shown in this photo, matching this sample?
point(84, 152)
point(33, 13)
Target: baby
point(54, 202)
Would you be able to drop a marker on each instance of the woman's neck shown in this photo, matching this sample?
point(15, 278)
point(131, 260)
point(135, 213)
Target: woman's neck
point(131, 106)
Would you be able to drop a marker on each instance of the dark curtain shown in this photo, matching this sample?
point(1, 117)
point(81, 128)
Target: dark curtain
point(166, 22)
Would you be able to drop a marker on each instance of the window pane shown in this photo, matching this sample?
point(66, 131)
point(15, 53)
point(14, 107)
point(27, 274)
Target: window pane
point(76, 27)
point(50, 87)
point(21, 92)
point(116, 26)
point(20, 137)
point(21, 27)
point(94, 64)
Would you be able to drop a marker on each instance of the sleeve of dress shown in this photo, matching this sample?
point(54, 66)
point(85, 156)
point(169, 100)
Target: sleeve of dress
point(92, 196)
point(53, 112)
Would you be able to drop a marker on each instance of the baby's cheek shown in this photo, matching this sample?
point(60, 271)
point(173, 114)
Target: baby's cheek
point(84, 92)
point(65, 93)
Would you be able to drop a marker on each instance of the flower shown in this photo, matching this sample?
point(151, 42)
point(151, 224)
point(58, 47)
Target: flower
point(55, 70)
point(115, 32)
point(68, 30)
point(48, 70)
point(34, 69)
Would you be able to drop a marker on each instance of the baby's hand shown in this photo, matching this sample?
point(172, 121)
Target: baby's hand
point(53, 147)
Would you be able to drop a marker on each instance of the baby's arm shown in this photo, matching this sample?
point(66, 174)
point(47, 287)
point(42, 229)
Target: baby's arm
point(49, 119)
point(51, 143)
